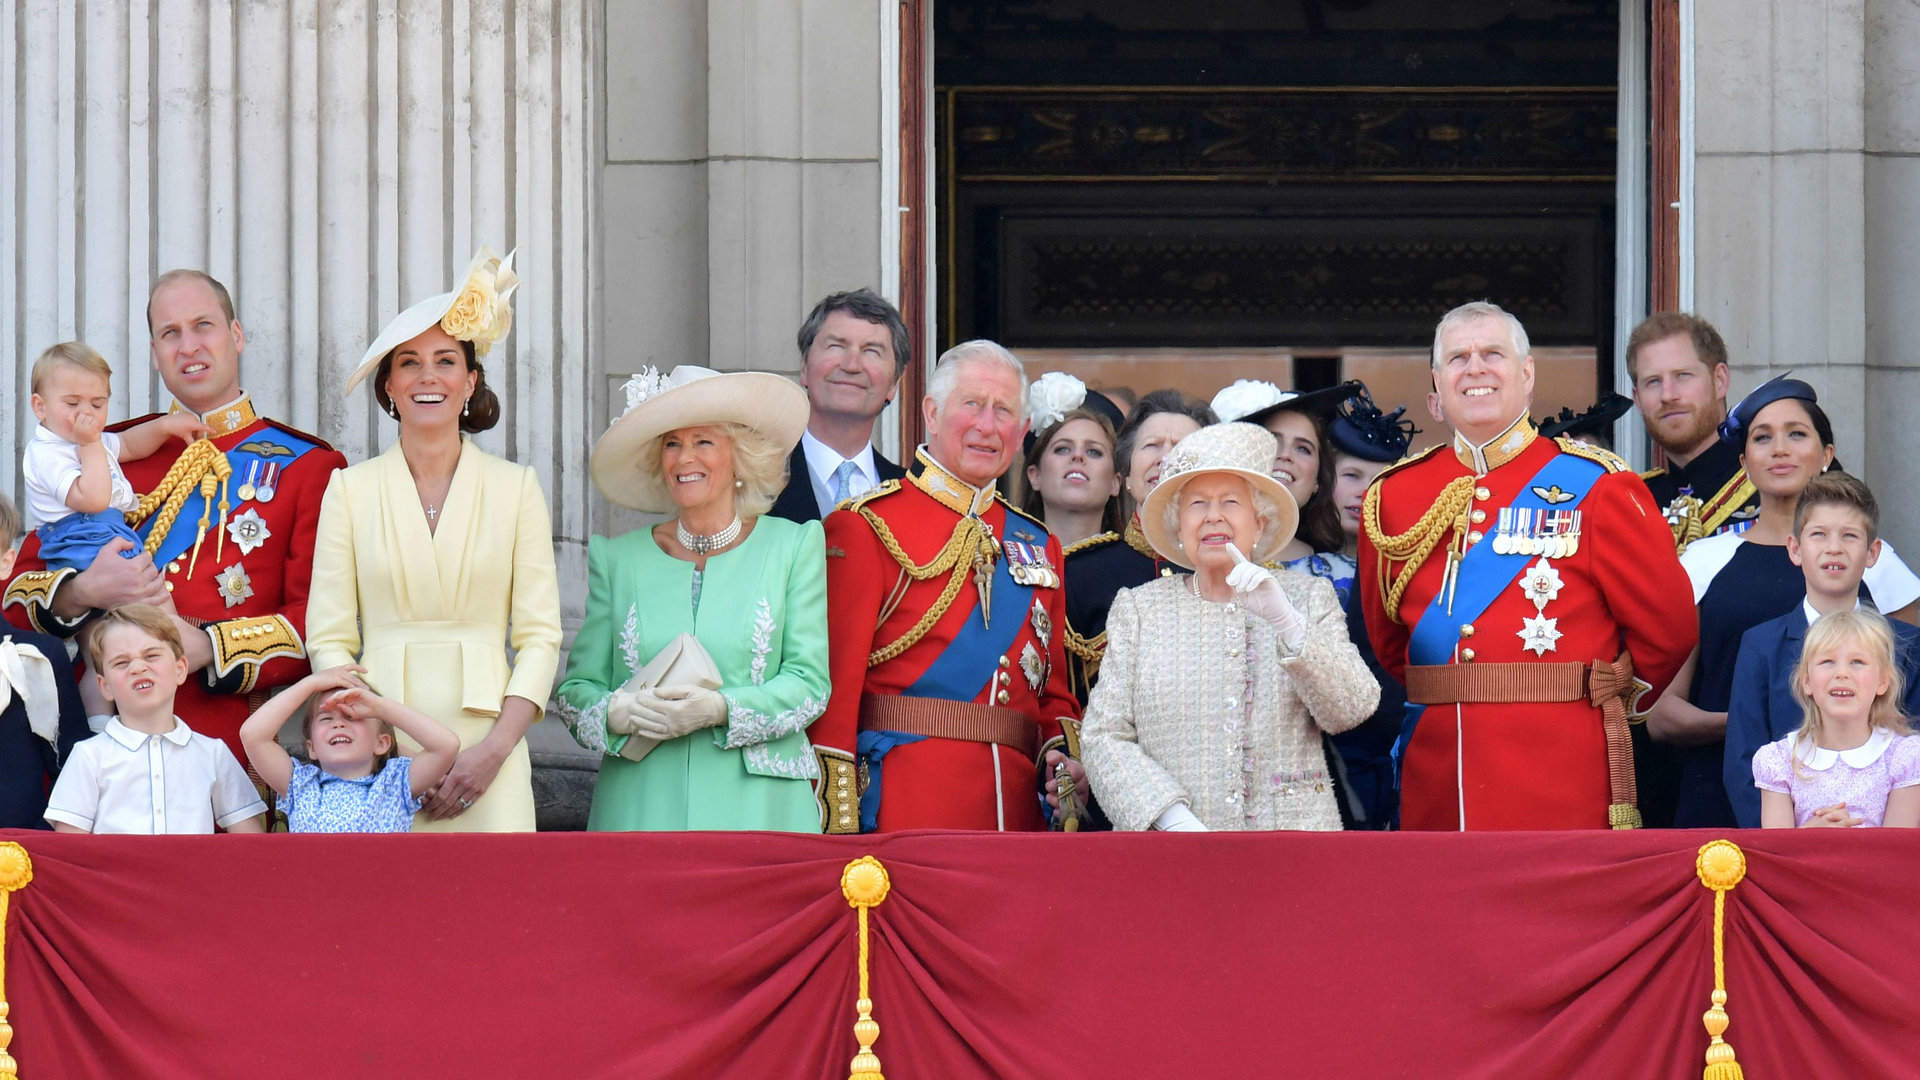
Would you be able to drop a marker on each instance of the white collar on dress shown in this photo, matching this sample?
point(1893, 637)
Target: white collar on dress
point(1819, 758)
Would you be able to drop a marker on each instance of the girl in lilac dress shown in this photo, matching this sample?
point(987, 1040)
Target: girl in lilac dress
point(1854, 761)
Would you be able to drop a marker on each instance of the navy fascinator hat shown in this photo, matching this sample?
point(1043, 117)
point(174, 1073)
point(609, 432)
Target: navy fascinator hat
point(1359, 428)
point(1733, 430)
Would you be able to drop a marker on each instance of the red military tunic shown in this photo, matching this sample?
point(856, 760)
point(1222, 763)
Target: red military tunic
point(1016, 660)
point(255, 615)
point(1529, 765)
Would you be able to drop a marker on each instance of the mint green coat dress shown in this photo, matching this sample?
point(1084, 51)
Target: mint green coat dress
point(762, 616)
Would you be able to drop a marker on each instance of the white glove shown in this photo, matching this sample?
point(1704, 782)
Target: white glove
point(669, 712)
point(621, 717)
point(1179, 818)
point(1260, 593)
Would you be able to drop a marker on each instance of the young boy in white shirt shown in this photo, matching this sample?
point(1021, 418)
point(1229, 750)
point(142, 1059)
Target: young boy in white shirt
point(147, 772)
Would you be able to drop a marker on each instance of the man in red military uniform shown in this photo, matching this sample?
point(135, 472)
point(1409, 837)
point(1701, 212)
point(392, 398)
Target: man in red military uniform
point(1526, 591)
point(947, 619)
point(229, 527)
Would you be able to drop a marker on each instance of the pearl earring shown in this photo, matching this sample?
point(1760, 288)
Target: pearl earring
point(739, 483)
point(466, 407)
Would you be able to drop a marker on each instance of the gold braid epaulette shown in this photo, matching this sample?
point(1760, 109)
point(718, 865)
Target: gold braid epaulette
point(1416, 544)
point(957, 556)
point(198, 464)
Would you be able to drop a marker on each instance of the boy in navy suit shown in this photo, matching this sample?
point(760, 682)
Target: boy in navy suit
point(1836, 528)
point(41, 717)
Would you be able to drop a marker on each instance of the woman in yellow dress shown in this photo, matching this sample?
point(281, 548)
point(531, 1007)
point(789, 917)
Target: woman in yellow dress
point(435, 556)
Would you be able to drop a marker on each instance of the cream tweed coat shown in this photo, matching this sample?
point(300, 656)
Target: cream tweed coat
point(1200, 703)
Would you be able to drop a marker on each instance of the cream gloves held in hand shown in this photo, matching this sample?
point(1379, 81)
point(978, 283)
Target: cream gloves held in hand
point(666, 712)
point(1260, 593)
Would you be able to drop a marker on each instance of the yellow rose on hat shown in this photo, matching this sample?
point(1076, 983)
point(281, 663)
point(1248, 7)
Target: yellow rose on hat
point(472, 312)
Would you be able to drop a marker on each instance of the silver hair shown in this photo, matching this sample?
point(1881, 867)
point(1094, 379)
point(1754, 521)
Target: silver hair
point(1481, 309)
point(946, 370)
point(1265, 511)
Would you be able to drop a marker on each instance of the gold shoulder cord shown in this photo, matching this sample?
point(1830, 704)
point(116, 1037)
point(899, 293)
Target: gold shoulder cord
point(956, 557)
point(1413, 546)
point(200, 465)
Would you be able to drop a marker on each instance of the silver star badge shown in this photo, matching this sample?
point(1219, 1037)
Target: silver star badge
point(1042, 623)
point(248, 530)
point(1541, 583)
point(236, 587)
point(1033, 667)
point(1539, 634)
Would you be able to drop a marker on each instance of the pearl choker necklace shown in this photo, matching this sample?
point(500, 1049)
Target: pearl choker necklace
point(706, 545)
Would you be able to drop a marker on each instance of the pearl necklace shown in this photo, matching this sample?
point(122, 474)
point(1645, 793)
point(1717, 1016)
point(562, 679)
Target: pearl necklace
point(706, 545)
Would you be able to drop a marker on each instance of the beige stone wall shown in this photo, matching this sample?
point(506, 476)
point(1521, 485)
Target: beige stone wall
point(1806, 203)
point(741, 181)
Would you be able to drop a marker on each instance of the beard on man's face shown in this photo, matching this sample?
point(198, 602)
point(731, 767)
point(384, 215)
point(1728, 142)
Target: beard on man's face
point(1682, 435)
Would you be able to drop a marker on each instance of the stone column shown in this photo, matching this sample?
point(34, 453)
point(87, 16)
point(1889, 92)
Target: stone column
point(1893, 264)
point(742, 178)
point(332, 161)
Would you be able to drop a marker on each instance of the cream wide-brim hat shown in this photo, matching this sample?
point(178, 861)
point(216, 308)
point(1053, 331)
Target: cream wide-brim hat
point(489, 276)
point(1232, 449)
point(772, 406)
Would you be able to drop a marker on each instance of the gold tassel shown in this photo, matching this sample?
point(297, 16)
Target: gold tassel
point(16, 870)
point(864, 883)
point(1721, 865)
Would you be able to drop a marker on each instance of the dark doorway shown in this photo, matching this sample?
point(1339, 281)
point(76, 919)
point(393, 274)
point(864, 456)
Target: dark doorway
point(1143, 192)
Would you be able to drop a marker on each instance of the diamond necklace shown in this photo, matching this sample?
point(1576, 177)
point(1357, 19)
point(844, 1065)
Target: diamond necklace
point(706, 545)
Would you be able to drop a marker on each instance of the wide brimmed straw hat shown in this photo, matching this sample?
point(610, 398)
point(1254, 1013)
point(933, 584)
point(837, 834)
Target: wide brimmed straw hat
point(1233, 449)
point(479, 309)
point(773, 406)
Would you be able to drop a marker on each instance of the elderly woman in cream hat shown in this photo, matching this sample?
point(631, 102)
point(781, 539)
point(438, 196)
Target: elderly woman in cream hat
point(435, 556)
point(1217, 685)
point(703, 657)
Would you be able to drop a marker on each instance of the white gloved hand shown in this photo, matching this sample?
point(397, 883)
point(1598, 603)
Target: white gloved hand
point(621, 718)
point(1260, 593)
point(670, 712)
point(1179, 818)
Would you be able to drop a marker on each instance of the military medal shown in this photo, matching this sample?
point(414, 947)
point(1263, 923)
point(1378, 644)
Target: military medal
point(249, 531)
point(253, 473)
point(1042, 623)
point(1539, 634)
point(1033, 667)
point(1541, 583)
point(264, 493)
point(235, 586)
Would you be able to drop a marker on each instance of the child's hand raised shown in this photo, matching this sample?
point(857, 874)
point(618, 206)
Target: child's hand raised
point(1832, 817)
point(344, 677)
point(184, 426)
point(86, 429)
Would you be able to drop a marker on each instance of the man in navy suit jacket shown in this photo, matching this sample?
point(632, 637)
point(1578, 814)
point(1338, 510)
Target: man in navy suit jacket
point(853, 349)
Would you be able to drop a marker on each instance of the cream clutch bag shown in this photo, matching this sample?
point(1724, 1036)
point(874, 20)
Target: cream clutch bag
point(682, 663)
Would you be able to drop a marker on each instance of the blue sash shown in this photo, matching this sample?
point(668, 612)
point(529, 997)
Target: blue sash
point(267, 446)
point(969, 662)
point(1481, 577)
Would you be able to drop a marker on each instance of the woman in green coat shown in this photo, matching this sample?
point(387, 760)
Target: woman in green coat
point(728, 750)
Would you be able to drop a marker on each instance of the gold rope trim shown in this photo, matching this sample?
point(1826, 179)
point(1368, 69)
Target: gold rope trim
point(1416, 544)
point(958, 556)
point(1086, 542)
point(201, 465)
point(864, 883)
point(16, 870)
point(1720, 865)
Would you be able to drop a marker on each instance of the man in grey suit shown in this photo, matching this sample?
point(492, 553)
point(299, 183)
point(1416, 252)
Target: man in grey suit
point(853, 349)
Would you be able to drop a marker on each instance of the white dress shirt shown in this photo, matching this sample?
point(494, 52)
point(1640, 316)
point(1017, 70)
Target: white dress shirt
point(126, 781)
point(823, 461)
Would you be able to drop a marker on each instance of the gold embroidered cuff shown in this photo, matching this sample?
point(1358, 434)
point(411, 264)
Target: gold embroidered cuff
point(1071, 729)
point(33, 590)
point(838, 793)
point(240, 646)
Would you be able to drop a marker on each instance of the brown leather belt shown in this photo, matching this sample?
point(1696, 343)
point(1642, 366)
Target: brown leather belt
point(940, 719)
point(1607, 686)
